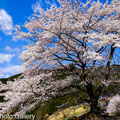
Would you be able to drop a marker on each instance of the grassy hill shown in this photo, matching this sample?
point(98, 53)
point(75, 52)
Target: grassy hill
point(4, 80)
point(42, 111)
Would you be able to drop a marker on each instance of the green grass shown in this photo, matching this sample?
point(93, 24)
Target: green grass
point(50, 106)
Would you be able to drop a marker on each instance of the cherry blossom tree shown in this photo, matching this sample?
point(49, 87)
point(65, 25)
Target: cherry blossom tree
point(113, 107)
point(84, 34)
point(26, 93)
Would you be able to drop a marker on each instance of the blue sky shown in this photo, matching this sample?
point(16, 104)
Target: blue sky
point(15, 12)
point(12, 12)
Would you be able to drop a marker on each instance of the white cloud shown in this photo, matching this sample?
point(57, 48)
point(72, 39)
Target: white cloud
point(10, 70)
point(6, 24)
point(4, 75)
point(9, 49)
point(42, 4)
point(16, 38)
point(36, 7)
point(6, 58)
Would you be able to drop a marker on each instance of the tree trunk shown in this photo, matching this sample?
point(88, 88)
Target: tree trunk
point(94, 105)
point(94, 96)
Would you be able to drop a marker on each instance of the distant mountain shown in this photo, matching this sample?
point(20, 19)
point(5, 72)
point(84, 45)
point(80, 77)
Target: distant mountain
point(4, 80)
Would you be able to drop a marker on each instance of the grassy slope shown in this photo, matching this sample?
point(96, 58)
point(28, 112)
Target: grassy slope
point(43, 111)
point(4, 80)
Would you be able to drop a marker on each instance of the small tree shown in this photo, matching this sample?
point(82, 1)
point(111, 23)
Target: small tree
point(84, 34)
